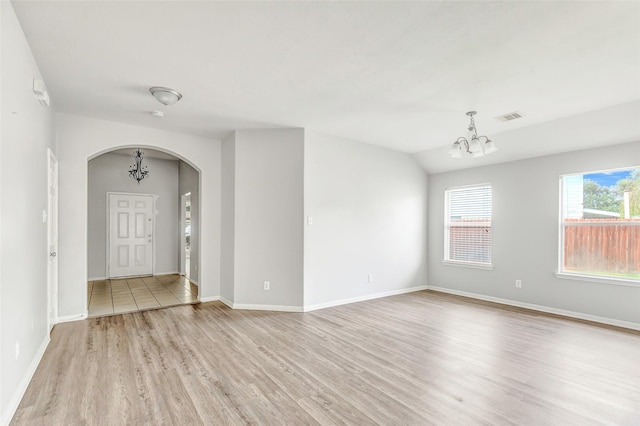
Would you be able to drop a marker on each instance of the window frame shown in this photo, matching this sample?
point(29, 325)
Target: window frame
point(465, 263)
point(582, 276)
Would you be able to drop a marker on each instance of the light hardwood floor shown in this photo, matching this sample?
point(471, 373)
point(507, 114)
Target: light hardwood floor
point(416, 359)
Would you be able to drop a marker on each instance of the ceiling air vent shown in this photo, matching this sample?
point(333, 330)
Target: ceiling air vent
point(510, 116)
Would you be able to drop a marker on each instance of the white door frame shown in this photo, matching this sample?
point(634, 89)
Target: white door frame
point(108, 226)
point(52, 239)
point(183, 219)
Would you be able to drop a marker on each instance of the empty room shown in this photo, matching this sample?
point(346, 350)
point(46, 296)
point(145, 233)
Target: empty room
point(319, 213)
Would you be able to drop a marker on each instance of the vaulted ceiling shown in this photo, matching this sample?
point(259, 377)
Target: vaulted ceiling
point(395, 74)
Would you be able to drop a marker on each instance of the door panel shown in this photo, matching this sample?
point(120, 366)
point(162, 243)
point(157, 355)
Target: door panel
point(123, 256)
point(123, 225)
point(130, 235)
point(140, 225)
point(141, 254)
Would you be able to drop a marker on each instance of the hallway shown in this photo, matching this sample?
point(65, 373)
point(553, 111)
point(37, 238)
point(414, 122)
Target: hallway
point(116, 296)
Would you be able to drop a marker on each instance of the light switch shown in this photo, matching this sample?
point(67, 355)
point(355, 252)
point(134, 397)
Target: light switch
point(44, 216)
point(309, 220)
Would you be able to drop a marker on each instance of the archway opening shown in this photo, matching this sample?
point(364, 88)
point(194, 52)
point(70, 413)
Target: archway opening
point(135, 234)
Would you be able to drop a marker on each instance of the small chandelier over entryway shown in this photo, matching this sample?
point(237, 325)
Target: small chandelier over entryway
point(473, 144)
point(138, 171)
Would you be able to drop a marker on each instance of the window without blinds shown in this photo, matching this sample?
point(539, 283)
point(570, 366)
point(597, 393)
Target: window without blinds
point(468, 224)
point(600, 224)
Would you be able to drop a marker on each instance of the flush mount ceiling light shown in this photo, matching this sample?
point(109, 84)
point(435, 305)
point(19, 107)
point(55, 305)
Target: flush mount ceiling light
point(473, 144)
point(165, 96)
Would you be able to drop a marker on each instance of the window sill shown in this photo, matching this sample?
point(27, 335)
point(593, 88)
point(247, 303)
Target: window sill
point(472, 265)
point(596, 279)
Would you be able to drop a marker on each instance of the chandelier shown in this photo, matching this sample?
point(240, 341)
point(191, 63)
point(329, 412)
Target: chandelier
point(138, 171)
point(473, 144)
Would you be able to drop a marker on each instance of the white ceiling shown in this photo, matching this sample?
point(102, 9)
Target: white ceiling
point(396, 74)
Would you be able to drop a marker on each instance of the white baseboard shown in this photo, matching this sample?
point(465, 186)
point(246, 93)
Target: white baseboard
point(210, 298)
point(309, 308)
point(285, 308)
point(540, 308)
point(24, 383)
point(256, 307)
point(155, 274)
point(70, 318)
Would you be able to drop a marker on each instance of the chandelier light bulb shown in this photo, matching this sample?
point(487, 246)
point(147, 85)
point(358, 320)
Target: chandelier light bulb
point(489, 147)
point(455, 148)
point(478, 153)
point(474, 145)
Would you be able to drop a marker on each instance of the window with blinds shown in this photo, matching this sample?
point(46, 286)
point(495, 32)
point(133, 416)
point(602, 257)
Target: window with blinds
point(468, 225)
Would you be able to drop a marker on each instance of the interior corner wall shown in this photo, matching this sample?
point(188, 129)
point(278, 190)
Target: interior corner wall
point(27, 131)
point(268, 219)
point(525, 235)
point(109, 173)
point(80, 139)
point(188, 181)
point(368, 207)
point(227, 233)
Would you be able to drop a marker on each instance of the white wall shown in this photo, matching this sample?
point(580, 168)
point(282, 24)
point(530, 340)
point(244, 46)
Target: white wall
point(269, 217)
point(227, 254)
point(110, 172)
point(189, 182)
point(78, 140)
point(27, 130)
point(525, 235)
point(369, 217)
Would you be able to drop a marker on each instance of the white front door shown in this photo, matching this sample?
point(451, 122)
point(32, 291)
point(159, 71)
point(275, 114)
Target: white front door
point(130, 235)
point(52, 239)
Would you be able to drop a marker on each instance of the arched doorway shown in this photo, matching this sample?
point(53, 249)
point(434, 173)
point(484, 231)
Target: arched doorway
point(126, 274)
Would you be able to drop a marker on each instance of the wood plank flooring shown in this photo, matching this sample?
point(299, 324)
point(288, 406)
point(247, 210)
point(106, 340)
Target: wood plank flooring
point(423, 358)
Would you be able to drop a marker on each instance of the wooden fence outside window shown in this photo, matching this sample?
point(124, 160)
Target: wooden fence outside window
point(602, 246)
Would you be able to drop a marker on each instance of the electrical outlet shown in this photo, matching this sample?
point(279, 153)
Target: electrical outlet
point(17, 349)
point(518, 283)
point(370, 278)
point(267, 285)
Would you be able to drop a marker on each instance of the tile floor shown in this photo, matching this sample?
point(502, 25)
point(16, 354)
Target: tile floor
point(116, 296)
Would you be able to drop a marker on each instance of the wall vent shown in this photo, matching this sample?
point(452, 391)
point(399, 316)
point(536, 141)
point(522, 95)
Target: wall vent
point(510, 116)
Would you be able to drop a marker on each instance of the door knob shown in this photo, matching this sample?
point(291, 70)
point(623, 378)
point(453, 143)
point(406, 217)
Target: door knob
point(52, 254)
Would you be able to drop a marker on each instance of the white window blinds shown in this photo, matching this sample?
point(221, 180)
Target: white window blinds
point(468, 224)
